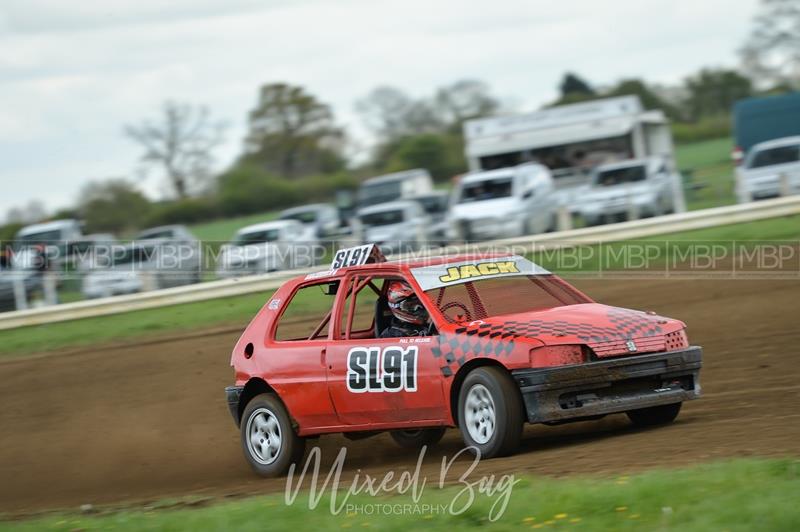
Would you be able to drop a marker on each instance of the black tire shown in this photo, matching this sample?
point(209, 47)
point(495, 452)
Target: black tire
point(654, 415)
point(263, 458)
point(508, 413)
point(417, 438)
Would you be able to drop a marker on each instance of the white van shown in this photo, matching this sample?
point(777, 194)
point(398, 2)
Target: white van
point(503, 203)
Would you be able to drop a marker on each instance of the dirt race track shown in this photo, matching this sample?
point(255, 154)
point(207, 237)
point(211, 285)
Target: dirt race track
point(142, 422)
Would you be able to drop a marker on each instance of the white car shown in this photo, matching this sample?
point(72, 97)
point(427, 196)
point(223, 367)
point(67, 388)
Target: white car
point(503, 203)
point(395, 226)
point(267, 247)
point(766, 165)
point(644, 187)
point(321, 220)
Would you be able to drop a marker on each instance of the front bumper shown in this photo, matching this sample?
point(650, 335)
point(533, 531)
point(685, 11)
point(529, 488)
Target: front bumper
point(233, 394)
point(609, 386)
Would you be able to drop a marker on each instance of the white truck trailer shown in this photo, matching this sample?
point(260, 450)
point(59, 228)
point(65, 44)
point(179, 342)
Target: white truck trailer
point(571, 140)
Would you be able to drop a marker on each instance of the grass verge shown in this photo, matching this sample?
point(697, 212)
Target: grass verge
point(744, 494)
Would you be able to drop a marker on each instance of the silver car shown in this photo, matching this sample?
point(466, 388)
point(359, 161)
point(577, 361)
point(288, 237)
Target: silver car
point(321, 220)
point(770, 169)
point(395, 226)
point(268, 247)
point(630, 189)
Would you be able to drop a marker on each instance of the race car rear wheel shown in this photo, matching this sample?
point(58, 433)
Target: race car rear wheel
point(655, 415)
point(269, 441)
point(417, 438)
point(490, 412)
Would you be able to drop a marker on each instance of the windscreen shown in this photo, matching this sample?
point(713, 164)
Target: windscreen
point(486, 190)
point(505, 295)
point(383, 218)
point(161, 233)
point(433, 204)
point(378, 193)
point(257, 237)
point(618, 176)
point(304, 217)
point(773, 156)
point(41, 238)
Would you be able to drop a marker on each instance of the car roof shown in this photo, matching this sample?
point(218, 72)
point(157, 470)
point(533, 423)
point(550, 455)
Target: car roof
point(404, 265)
point(266, 226)
point(776, 143)
point(628, 163)
point(305, 208)
point(388, 206)
point(396, 176)
point(47, 226)
point(170, 227)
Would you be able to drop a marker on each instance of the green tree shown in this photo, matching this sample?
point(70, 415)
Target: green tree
point(292, 133)
point(464, 100)
point(649, 99)
point(712, 92)
point(573, 85)
point(112, 206)
point(441, 154)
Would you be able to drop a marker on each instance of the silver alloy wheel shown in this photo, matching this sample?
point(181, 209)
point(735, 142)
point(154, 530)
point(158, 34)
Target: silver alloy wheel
point(479, 414)
point(264, 436)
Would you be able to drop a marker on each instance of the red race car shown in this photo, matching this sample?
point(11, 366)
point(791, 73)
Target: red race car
point(479, 342)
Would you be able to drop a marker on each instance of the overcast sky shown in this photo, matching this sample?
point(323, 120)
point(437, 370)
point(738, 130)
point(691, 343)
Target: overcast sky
point(73, 73)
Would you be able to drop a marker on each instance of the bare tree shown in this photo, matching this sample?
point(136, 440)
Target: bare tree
point(181, 143)
point(465, 99)
point(772, 50)
point(33, 212)
point(392, 114)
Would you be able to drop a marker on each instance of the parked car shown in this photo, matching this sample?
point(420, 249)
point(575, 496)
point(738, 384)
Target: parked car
point(266, 247)
point(436, 205)
point(137, 267)
point(395, 226)
point(766, 165)
point(391, 187)
point(177, 241)
point(321, 220)
point(618, 190)
point(503, 203)
point(171, 233)
point(54, 239)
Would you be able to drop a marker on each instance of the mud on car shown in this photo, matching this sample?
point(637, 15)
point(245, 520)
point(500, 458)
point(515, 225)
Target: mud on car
point(507, 342)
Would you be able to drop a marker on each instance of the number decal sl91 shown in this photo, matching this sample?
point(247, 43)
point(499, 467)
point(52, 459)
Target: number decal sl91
point(392, 370)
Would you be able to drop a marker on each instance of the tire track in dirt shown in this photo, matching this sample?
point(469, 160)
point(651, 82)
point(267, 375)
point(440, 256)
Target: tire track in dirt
point(130, 423)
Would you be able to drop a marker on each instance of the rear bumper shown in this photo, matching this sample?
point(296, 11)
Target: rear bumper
point(233, 394)
point(609, 386)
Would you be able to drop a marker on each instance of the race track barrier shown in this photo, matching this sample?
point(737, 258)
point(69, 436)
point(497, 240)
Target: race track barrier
point(642, 228)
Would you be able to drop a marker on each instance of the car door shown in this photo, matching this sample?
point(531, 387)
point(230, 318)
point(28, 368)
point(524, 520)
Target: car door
point(380, 382)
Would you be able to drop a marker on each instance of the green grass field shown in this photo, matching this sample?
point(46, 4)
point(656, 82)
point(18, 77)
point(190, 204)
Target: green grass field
point(223, 230)
point(711, 172)
point(744, 494)
point(237, 311)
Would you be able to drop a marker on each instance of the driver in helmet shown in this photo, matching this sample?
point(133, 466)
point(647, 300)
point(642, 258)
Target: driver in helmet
point(409, 317)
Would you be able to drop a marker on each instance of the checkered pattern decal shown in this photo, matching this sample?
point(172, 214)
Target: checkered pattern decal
point(497, 340)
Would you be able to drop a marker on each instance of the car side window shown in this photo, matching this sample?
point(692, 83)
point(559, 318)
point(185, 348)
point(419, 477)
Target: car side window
point(363, 295)
point(307, 314)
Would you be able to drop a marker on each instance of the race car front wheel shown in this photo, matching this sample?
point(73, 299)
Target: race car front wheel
point(490, 412)
point(417, 438)
point(269, 441)
point(655, 415)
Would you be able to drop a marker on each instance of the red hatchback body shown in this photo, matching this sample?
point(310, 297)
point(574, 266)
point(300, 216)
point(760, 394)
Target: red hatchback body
point(507, 342)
